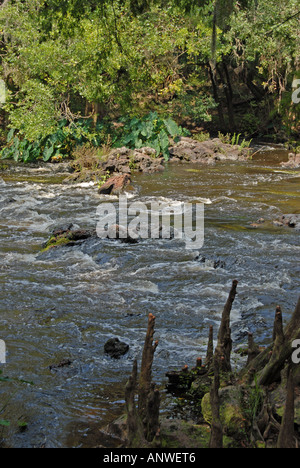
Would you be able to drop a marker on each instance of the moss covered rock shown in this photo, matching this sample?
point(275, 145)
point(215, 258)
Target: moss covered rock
point(66, 236)
point(231, 412)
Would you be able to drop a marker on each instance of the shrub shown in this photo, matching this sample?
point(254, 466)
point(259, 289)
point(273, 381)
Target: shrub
point(150, 130)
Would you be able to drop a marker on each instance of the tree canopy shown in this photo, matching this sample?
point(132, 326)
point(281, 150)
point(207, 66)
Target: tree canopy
point(229, 62)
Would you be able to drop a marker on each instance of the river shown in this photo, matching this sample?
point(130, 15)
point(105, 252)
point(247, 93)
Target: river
point(67, 302)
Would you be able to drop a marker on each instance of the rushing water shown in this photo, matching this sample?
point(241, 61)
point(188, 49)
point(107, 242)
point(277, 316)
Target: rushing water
point(66, 303)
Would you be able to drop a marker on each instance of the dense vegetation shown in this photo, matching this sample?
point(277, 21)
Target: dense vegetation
point(78, 72)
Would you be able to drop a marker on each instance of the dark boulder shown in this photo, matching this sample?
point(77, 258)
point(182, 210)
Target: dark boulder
point(116, 348)
point(65, 236)
point(58, 231)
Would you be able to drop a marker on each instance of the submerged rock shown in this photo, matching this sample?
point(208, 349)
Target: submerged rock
point(116, 348)
point(65, 236)
point(63, 363)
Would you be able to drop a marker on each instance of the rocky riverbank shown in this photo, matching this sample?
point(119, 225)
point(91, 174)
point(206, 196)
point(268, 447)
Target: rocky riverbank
point(126, 161)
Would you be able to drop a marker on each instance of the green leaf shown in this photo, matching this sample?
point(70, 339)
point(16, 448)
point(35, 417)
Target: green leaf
point(155, 145)
point(134, 122)
point(16, 155)
point(6, 153)
point(147, 129)
point(16, 143)
point(10, 135)
point(138, 143)
point(63, 123)
point(4, 422)
point(166, 155)
point(164, 140)
point(48, 152)
point(172, 127)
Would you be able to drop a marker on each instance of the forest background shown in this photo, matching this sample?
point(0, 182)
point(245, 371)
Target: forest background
point(97, 71)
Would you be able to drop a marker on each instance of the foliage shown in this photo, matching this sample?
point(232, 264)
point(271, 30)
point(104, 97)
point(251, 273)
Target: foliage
point(152, 131)
point(56, 145)
point(190, 60)
point(104, 178)
point(234, 140)
point(254, 401)
point(201, 136)
point(78, 139)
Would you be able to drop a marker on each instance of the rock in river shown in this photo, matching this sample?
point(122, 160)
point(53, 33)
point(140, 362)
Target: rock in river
point(115, 185)
point(116, 348)
point(291, 220)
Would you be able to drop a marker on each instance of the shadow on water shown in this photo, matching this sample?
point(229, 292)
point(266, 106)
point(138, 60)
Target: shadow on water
point(63, 305)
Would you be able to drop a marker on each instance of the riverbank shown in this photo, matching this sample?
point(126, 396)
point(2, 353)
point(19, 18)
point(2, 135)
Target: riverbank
point(143, 160)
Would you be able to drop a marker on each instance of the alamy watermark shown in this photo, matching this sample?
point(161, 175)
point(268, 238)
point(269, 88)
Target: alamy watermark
point(2, 92)
point(2, 352)
point(152, 220)
point(296, 353)
point(296, 93)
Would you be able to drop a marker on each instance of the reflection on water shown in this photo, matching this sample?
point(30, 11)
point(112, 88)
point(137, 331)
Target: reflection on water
point(66, 303)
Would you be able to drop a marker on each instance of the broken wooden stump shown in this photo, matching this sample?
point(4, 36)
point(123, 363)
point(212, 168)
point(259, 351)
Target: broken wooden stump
point(210, 349)
point(216, 435)
point(146, 368)
point(253, 349)
point(143, 420)
point(135, 433)
point(281, 349)
point(224, 335)
point(286, 438)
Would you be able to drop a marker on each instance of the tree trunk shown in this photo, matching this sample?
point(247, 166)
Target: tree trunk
point(213, 77)
point(228, 99)
point(286, 434)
